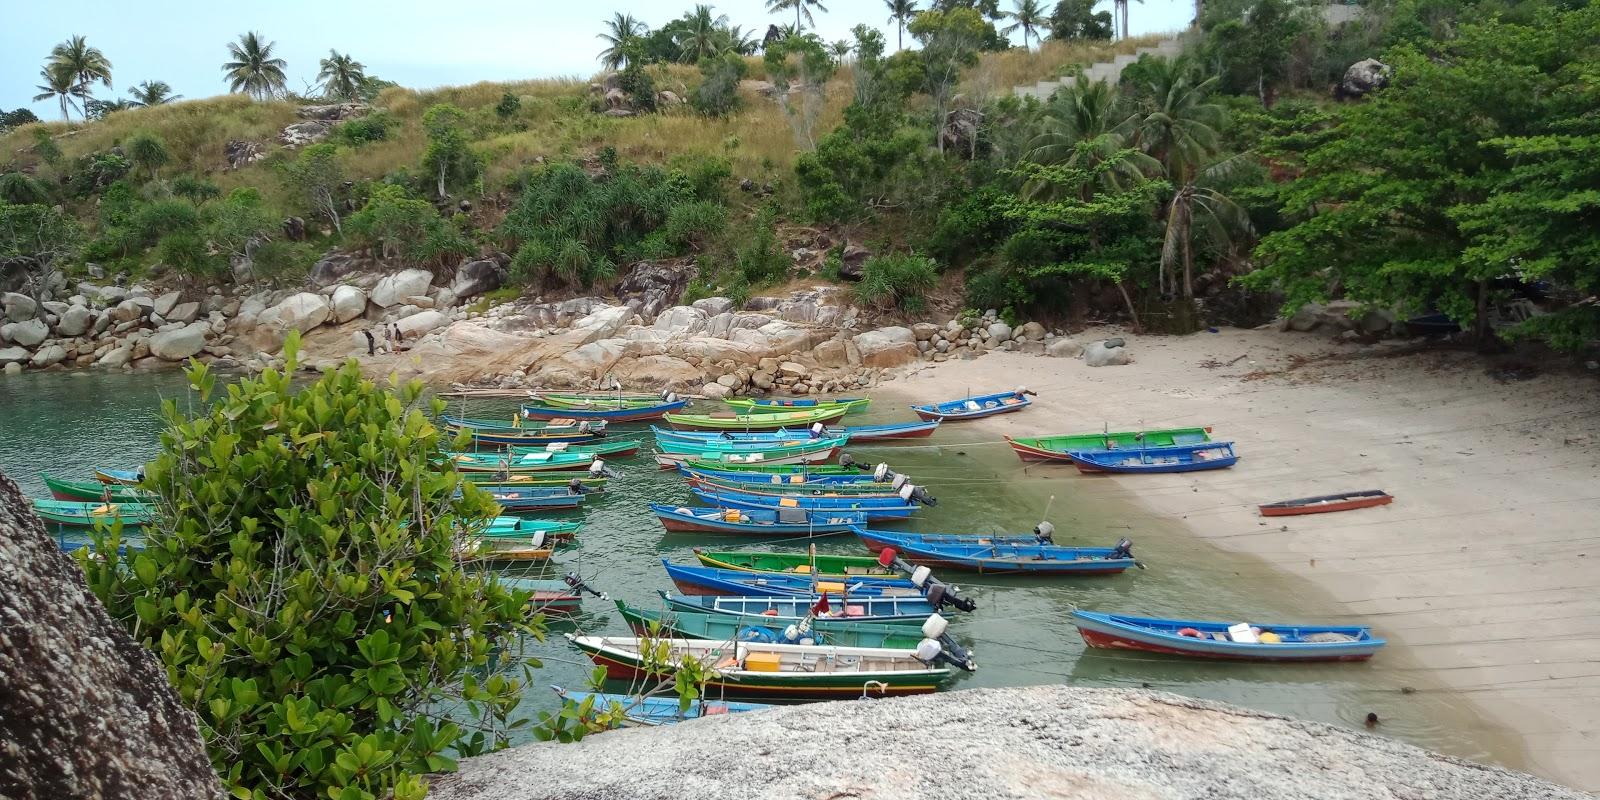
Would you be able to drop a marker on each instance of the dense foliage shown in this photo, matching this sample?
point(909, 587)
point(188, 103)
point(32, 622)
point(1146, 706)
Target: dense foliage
point(301, 586)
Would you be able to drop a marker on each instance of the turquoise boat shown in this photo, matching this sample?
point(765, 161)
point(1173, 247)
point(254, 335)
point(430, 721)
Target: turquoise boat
point(75, 514)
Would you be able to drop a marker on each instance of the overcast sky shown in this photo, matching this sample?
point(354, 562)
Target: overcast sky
point(412, 42)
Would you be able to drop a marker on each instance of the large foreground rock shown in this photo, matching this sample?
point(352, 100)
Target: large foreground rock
point(88, 711)
point(394, 289)
point(1041, 741)
point(1098, 355)
point(28, 333)
point(476, 277)
point(887, 347)
point(347, 303)
point(180, 343)
point(300, 312)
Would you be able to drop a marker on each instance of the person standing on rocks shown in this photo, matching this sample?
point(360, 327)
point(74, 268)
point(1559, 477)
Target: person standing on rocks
point(372, 344)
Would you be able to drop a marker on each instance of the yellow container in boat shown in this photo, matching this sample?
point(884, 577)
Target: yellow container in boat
point(731, 515)
point(830, 587)
point(803, 569)
point(788, 502)
point(1268, 637)
point(762, 662)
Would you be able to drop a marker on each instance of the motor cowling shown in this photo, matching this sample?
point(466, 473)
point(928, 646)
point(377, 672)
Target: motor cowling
point(899, 481)
point(817, 429)
point(879, 473)
point(1045, 533)
point(572, 579)
point(1122, 549)
point(920, 494)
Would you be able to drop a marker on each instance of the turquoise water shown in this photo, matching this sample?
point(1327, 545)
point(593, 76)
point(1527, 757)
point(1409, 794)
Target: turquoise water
point(69, 423)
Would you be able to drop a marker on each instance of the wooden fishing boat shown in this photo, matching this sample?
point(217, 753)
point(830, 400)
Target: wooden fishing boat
point(609, 448)
point(1059, 448)
point(78, 514)
point(1227, 641)
point(753, 422)
point(492, 550)
point(796, 475)
point(93, 491)
point(798, 454)
point(792, 609)
point(649, 712)
point(756, 522)
point(126, 477)
point(1343, 501)
point(876, 508)
point(755, 669)
point(976, 407)
point(501, 435)
point(766, 405)
point(985, 555)
point(852, 469)
point(536, 498)
point(856, 433)
point(618, 414)
point(1177, 458)
point(547, 530)
point(822, 566)
point(550, 597)
point(738, 583)
point(517, 425)
point(484, 480)
point(712, 484)
point(731, 627)
point(536, 461)
point(890, 431)
point(698, 446)
point(601, 399)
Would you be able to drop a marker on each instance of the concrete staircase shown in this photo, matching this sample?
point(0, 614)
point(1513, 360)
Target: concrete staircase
point(1109, 71)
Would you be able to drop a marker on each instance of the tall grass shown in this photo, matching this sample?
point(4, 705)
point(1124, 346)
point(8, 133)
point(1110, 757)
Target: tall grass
point(997, 73)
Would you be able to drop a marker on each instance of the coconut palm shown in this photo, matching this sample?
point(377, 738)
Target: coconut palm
point(1030, 16)
point(703, 35)
point(900, 13)
point(61, 85)
point(341, 76)
point(1119, 17)
point(742, 42)
point(152, 93)
point(1083, 127)
point(802, 8)
point(85, 64)
point(621, 30)
point(1197, 206)
point(840, 50)
point(253, 70)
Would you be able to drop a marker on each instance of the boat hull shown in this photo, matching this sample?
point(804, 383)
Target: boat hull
point(753, 422)
point(931, 557)
point(637, 414)
point(873, 511)
point(988, 406)
point(823, 456)
point(1325, 505)
point(1102, 631)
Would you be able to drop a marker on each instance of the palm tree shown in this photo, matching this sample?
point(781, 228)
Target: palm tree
point(341, 76)
point(801, 8)
point(742, 42)
point(1083, 127)
point(704, 36)
point(1030, 16)
point(840, 49)
point(63, 86)
point(253, 70)
point(1119, 17)
point(1194, 203)
point(152, 93)
point(621, 30)
point(84, 63)
point(900, 13)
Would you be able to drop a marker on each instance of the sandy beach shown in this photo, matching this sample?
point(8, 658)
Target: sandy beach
point(1482, 573)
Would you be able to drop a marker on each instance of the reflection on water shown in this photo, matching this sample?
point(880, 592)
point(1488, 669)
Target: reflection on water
point(68, 424)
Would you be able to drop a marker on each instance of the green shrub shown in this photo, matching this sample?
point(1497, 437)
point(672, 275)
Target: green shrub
point(971, 227)
point(185, 251)
point(197, 190)
point(151, 221)
point(694, 223)
point(508, 106)
point(148, 152)
point(397, 226)
point(38, 233)
point(242, 218)
point(718, 92)
point(20, 189)
point(373, 127)
point(897, 281)
point(641, 88)
point(300, 584)
point(760, 261)
point(96, 171)
point(448, 158)
point(277, 259)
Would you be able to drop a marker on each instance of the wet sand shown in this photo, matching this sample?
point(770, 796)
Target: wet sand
point(1481, 573)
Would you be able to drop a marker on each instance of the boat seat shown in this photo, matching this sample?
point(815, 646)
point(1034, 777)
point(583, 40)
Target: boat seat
point(1219, 636)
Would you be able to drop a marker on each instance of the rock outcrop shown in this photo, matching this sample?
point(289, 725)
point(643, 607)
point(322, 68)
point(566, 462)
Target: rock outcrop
point(1362, 78)
point(1040, 741)
point(88, 711)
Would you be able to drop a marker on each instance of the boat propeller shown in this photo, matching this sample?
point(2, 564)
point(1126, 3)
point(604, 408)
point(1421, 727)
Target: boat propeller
point(1124, 549)
point(572, 579)
point(938, 593)
point(937, 646)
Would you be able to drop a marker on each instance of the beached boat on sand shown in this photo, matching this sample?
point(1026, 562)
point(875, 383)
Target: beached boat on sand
point(976, 407)
point(1058, 448)
point(1344, 501)
point(1227, 641)
point(1177, 458)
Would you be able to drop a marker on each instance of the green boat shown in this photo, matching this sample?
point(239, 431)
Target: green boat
point(779, 469)
point(759, 485)
point(783, 405)
point(753, 422)
point(617, 448)
point(776, 446)
point(593, 402)
point(539, 461)
point(732, 627)
point(827, 567)
point(488, 481)
point(1055, 448)
point(93, 491)
point(520, 528)
point(76, 514)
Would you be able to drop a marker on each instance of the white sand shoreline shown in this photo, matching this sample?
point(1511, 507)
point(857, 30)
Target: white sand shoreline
point(1483, 570)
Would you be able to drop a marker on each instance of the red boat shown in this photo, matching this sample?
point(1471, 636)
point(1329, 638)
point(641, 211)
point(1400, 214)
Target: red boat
point(1324, 504)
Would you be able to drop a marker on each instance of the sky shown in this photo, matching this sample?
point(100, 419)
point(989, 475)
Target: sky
point(416, 43)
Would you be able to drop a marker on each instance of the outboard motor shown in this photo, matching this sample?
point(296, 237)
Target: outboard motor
point(599, 468)
point(938, 593)
point(882, 473)
point(916, 494)
point(950, 652)
point(1044, 533)
point(572, 579)
point(846, 461)
point(576, 486)
point(1022, 390)
point(1124, 549)
point(817, 430)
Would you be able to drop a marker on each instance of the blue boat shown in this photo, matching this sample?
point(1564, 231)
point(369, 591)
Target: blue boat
point(739, 583)
point(647, 712)
point(1227, 641)
point(1173, 458)
point(485, 432)
point(1001, 555)
point(630, 414)
point(976, 407)
point(792, 609)
point(528, 498)
point(856, 433)
point(715, 446)
point(812, 479)
point(756, 522)
point(876, 508)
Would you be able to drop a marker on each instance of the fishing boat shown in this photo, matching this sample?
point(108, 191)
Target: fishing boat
point(792, 609)
point(756, 522)
point(496, 550)
point(495, 434)
point(767, 488)
point(93, 490)
point(730, 627)
point(1344, 501)
point(856, 433)
point(126, 477)
point(697, 446)
point(738, 583)
point(1006, 557)
point(1177, 458)
point(765, 405)
point(79, 514)
point(1227, 641)
point(621, 413)
point(846, 467)
point(794, 475)
point(756, 669)
point(876, 508)
point(546, 530)
point(822, 566)
point(809, 453)
point(976, 407)
point(536, 498)
point(1058, 448)
point(889, 431)
point(649, 712)
point(611, 448)
point(752, 422)
point(485, 480)
point(556, 598)
point(536, 461)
